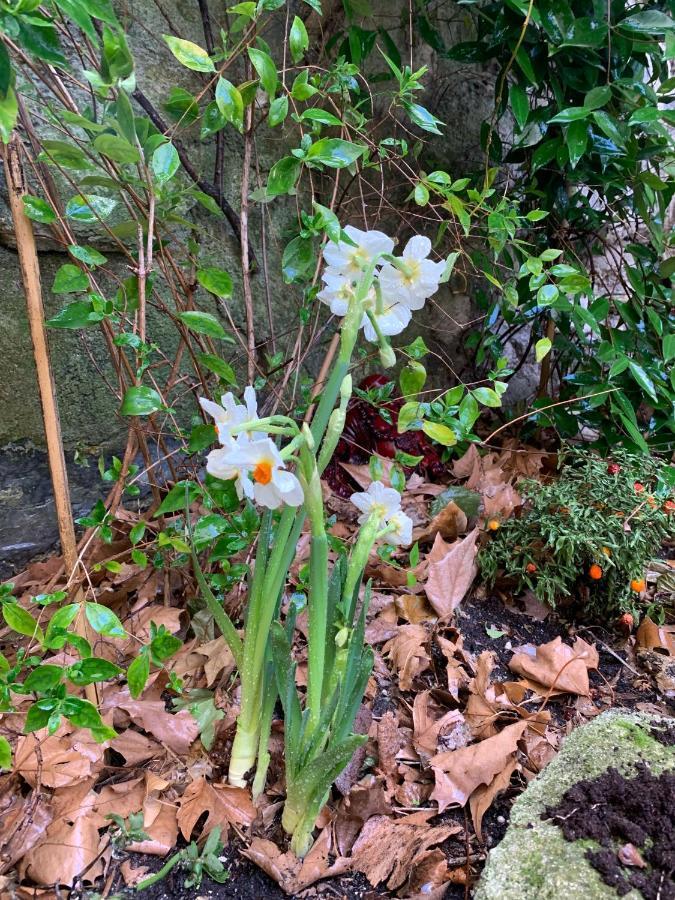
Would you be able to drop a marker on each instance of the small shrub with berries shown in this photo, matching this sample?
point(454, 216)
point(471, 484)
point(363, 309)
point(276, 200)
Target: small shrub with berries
point(584, 539)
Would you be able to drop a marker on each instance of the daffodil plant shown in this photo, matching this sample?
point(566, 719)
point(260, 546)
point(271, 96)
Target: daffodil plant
point(277, 464)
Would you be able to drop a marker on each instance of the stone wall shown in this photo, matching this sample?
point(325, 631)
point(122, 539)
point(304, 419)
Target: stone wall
point(458, 94)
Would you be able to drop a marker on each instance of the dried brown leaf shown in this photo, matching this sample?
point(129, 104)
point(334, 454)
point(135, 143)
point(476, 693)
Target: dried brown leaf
point(292, 874)
point(656, 637)
point(450, 522)
point(388, 850)
point(408, 653)
point(225, 805)
point(176, 730)
point(451, 573)
point(459, 772)
point(556, 665)
point(482, 798)
point(367, 798)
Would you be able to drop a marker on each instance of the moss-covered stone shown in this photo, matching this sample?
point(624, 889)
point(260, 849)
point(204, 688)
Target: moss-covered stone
point(534, 861)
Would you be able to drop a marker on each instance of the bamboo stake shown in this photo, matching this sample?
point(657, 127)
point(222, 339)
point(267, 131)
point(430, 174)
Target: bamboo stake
point(30, 275)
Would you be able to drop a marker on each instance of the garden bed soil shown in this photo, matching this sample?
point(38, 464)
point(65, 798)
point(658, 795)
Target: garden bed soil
point(632, 821)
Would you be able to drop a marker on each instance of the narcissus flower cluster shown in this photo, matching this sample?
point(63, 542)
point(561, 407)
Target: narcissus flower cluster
point(249, 456)
point(400, 285)
point(383, 505)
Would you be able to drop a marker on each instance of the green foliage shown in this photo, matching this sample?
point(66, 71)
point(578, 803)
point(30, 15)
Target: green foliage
point(612, 514)
point(588, 87)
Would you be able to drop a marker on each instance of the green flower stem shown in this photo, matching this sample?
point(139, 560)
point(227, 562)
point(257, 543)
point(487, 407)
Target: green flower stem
point(318, 588)
point(269, 699)
point(263, 603)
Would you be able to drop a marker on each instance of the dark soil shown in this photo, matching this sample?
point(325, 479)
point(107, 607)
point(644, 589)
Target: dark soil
point(632, 820)
point(664, 734)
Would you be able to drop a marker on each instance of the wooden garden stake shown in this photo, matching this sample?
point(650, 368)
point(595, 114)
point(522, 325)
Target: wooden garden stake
point(30, 275)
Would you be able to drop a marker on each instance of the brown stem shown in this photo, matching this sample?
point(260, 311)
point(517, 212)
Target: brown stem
point(184, 157)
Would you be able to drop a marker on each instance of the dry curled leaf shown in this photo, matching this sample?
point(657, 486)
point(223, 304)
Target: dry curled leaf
point(388, 850)
point(451, 571)
point(176, 730)
point(225, 804)
point(450, 522)
point(651, 636)
point(290, 873)
point(408, 653)
point(459, 772)
point(557, 666)
point(366, 799)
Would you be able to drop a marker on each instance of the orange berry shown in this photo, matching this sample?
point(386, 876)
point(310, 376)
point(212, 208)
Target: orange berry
point(493, 525)
point(651, 503)
point(625, 623)
point(607, 551)
point(669, 506)
point(638, 487)
point(638, 585)
point(530, 568)
point(613, 469)
point(595, 572)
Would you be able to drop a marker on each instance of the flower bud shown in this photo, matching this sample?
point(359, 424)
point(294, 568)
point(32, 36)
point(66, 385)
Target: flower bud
point(387, 356)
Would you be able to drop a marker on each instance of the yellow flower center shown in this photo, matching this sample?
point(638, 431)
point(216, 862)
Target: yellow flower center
point(262, 474)
point(412, 271)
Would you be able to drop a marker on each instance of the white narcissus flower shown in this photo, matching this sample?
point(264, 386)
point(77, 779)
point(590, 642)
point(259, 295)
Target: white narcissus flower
point(344, 259)
point(385, 503)
point(261, 473)
point(338, 293)
point(229, 413)
point(417, 279)
point(219, 465)
point(392, 320)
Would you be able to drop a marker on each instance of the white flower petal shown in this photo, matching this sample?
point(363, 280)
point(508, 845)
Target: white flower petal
point(418, 247)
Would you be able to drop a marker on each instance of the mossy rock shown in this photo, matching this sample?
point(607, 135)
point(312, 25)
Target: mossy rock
point(534, 861)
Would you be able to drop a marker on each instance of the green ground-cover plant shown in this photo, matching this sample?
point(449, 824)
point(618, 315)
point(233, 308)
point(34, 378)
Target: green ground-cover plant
point(585, 537)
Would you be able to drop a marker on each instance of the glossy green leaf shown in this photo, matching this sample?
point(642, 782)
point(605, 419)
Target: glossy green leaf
point(542, 348)
point(116, 148)
point(181, 495)
point(141, 401)
point(571, 114)
point(5, 754)
point(219, 367)
point(520, 104)
point(38, 209)
point(278, 111)
point(79, 314)
point(88, 255)
point(669, 347)
point(487, 396)
point(266, 69)
point(165, 162)
point(103, 620)
point(70, 279)
point(283, 176)
point(230, 103)
point(440, 433)
point(92, 670)
point(642, 378)
point(202, 323)
point(44, 678)
point(334, 152)
point(89, 208)
point(649, 21)
point(298, 40)
point(576, 138)
point(21, 621)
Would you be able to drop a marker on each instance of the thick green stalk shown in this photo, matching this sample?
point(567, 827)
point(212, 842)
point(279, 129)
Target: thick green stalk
point(318, 593)
point(222, 620)
point(261, 612)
